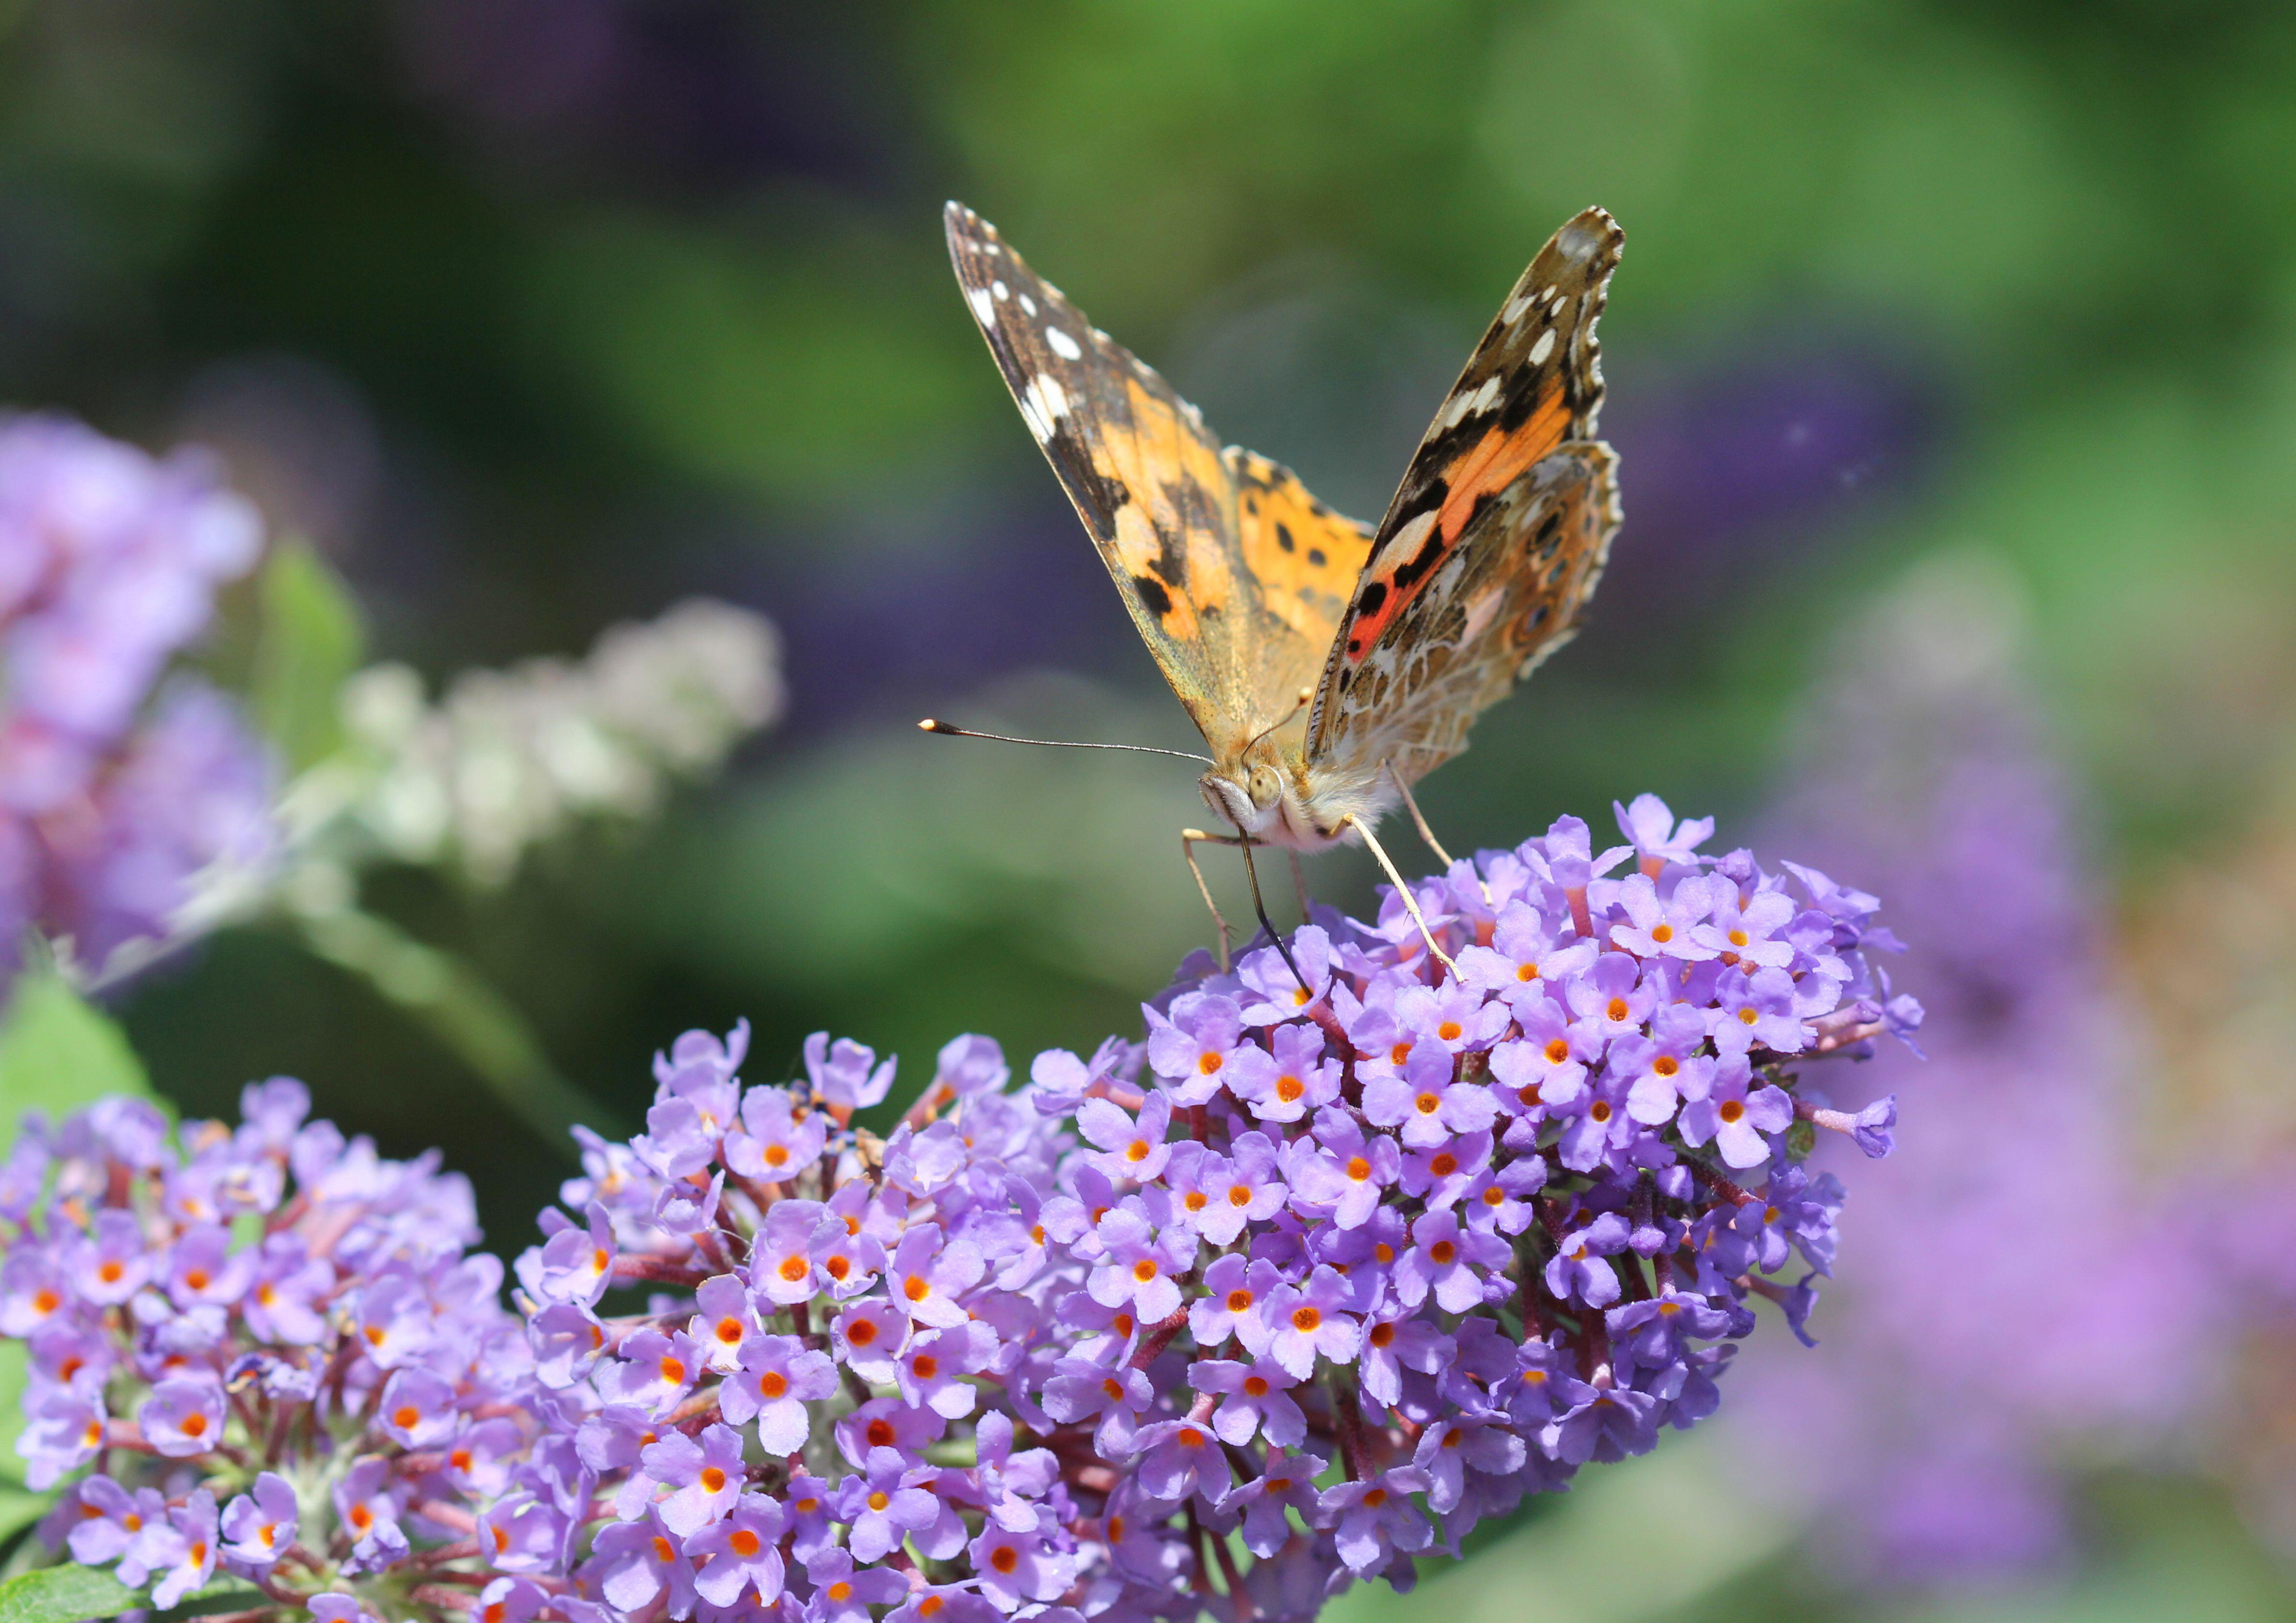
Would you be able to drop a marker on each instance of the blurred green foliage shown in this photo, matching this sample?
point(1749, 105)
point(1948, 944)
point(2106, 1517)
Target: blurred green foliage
point(532, 317)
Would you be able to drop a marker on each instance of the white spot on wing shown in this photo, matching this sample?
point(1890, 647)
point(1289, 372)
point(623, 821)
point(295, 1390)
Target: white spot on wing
point(1001, 290)
point(1063, 345)
point(1043, 403)
point(1027, 305)
point(1467, 406)
point(983, 305)
point(1544, 348)
point(1514, 311)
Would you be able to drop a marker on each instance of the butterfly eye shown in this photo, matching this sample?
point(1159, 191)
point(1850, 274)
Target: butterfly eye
point(1266, 787)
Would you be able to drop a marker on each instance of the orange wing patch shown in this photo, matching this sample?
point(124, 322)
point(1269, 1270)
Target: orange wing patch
point(1170, 535)
point(1305, 557)
point(1488, 467)
point(1497, 458)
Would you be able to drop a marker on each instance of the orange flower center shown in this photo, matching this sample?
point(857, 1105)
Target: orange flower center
point(1304, 1319)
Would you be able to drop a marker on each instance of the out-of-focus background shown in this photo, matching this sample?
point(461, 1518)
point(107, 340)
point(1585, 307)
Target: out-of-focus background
point(1953, 368)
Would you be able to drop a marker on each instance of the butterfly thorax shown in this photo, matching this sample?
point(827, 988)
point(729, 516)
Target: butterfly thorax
point(1273, 795)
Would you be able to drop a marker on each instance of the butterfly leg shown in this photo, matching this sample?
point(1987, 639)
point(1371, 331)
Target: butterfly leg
point(1410, 903)
point(1300, 884)
point(1189, 838)
point(1427, 834)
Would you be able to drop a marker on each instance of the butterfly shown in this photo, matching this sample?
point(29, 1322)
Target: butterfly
point(1329, 664)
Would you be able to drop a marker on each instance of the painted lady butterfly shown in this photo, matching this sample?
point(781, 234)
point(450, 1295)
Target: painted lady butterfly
point(1329, 665)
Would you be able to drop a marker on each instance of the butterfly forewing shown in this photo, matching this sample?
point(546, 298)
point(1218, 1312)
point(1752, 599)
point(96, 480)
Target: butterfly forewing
point(1502, 600)
point(1534, 383)
point(1154, 490)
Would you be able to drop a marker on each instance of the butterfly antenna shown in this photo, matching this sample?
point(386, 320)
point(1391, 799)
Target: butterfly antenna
point(930, 725)
point(1305, 693)
point(1261, 908)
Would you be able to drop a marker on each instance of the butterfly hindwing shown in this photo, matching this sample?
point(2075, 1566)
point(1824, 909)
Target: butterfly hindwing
point(1535, 382)
point(1159, 496)
point(1305, 559)
point(1507, 596)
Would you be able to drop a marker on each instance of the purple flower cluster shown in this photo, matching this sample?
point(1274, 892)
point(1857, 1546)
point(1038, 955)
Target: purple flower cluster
point(109, 802)
point(1325, 1271)
point(2032, 1294)
point(268, 1350)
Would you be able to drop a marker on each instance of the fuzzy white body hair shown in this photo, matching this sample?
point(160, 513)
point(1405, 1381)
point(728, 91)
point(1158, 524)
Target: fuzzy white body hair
point(1275, 801)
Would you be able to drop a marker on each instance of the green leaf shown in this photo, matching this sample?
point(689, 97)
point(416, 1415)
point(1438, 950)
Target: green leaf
point(310, 641)
point(65, 1595)
point(19, 1507)
point(59, 1052)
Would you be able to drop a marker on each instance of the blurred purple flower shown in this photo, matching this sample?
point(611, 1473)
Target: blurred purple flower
point(110, 803)
point(2023, 1293)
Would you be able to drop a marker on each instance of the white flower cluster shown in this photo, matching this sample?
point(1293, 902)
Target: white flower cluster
point(508, 759)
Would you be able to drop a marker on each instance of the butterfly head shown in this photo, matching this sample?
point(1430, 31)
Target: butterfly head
point(1249, 795)
point(1265, 796)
